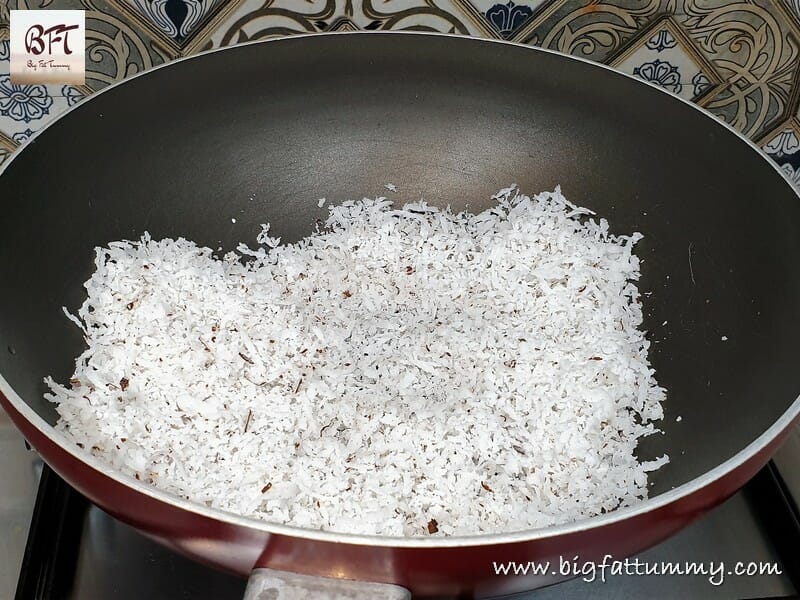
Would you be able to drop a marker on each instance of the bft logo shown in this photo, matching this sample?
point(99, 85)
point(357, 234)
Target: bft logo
point(38, 39)
point(48, 46)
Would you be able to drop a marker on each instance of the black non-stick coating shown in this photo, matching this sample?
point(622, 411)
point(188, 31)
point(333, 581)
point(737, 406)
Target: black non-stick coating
point(260, 132)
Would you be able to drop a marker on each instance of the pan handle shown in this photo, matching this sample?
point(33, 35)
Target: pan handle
point(268, 584)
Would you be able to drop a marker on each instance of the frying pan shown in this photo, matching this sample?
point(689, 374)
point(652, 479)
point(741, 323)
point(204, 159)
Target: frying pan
point(259, 132)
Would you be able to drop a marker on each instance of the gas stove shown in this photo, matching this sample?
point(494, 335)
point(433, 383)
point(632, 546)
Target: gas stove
point(59, 546)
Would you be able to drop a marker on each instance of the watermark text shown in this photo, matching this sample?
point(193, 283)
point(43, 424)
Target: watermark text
point(715, 572)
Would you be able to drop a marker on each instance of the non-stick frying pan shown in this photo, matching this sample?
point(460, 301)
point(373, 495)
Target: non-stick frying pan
point(259, 132)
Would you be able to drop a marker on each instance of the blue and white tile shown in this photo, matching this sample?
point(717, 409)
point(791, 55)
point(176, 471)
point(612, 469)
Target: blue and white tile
point(176, 19)
point(26, 108)
point(661, 57)
point(783, 146)
point(506, 17)
point(7, 144)
point(72, 94)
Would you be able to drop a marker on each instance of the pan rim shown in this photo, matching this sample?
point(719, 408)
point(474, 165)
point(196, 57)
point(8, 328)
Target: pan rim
point(684, 490)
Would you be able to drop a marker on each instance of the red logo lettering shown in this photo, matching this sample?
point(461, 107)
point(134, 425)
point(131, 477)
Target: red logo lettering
point(37, 38)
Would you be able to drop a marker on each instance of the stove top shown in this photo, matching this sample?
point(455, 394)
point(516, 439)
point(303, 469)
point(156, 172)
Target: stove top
point(76, 551)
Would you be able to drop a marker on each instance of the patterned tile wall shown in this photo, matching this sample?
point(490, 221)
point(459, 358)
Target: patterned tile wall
point(740, 59)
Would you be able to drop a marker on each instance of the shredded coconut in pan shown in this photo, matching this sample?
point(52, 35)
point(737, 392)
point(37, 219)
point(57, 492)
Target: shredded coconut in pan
point(402, 371)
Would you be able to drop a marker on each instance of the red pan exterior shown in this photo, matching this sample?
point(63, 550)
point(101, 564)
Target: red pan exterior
point(464, 572)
